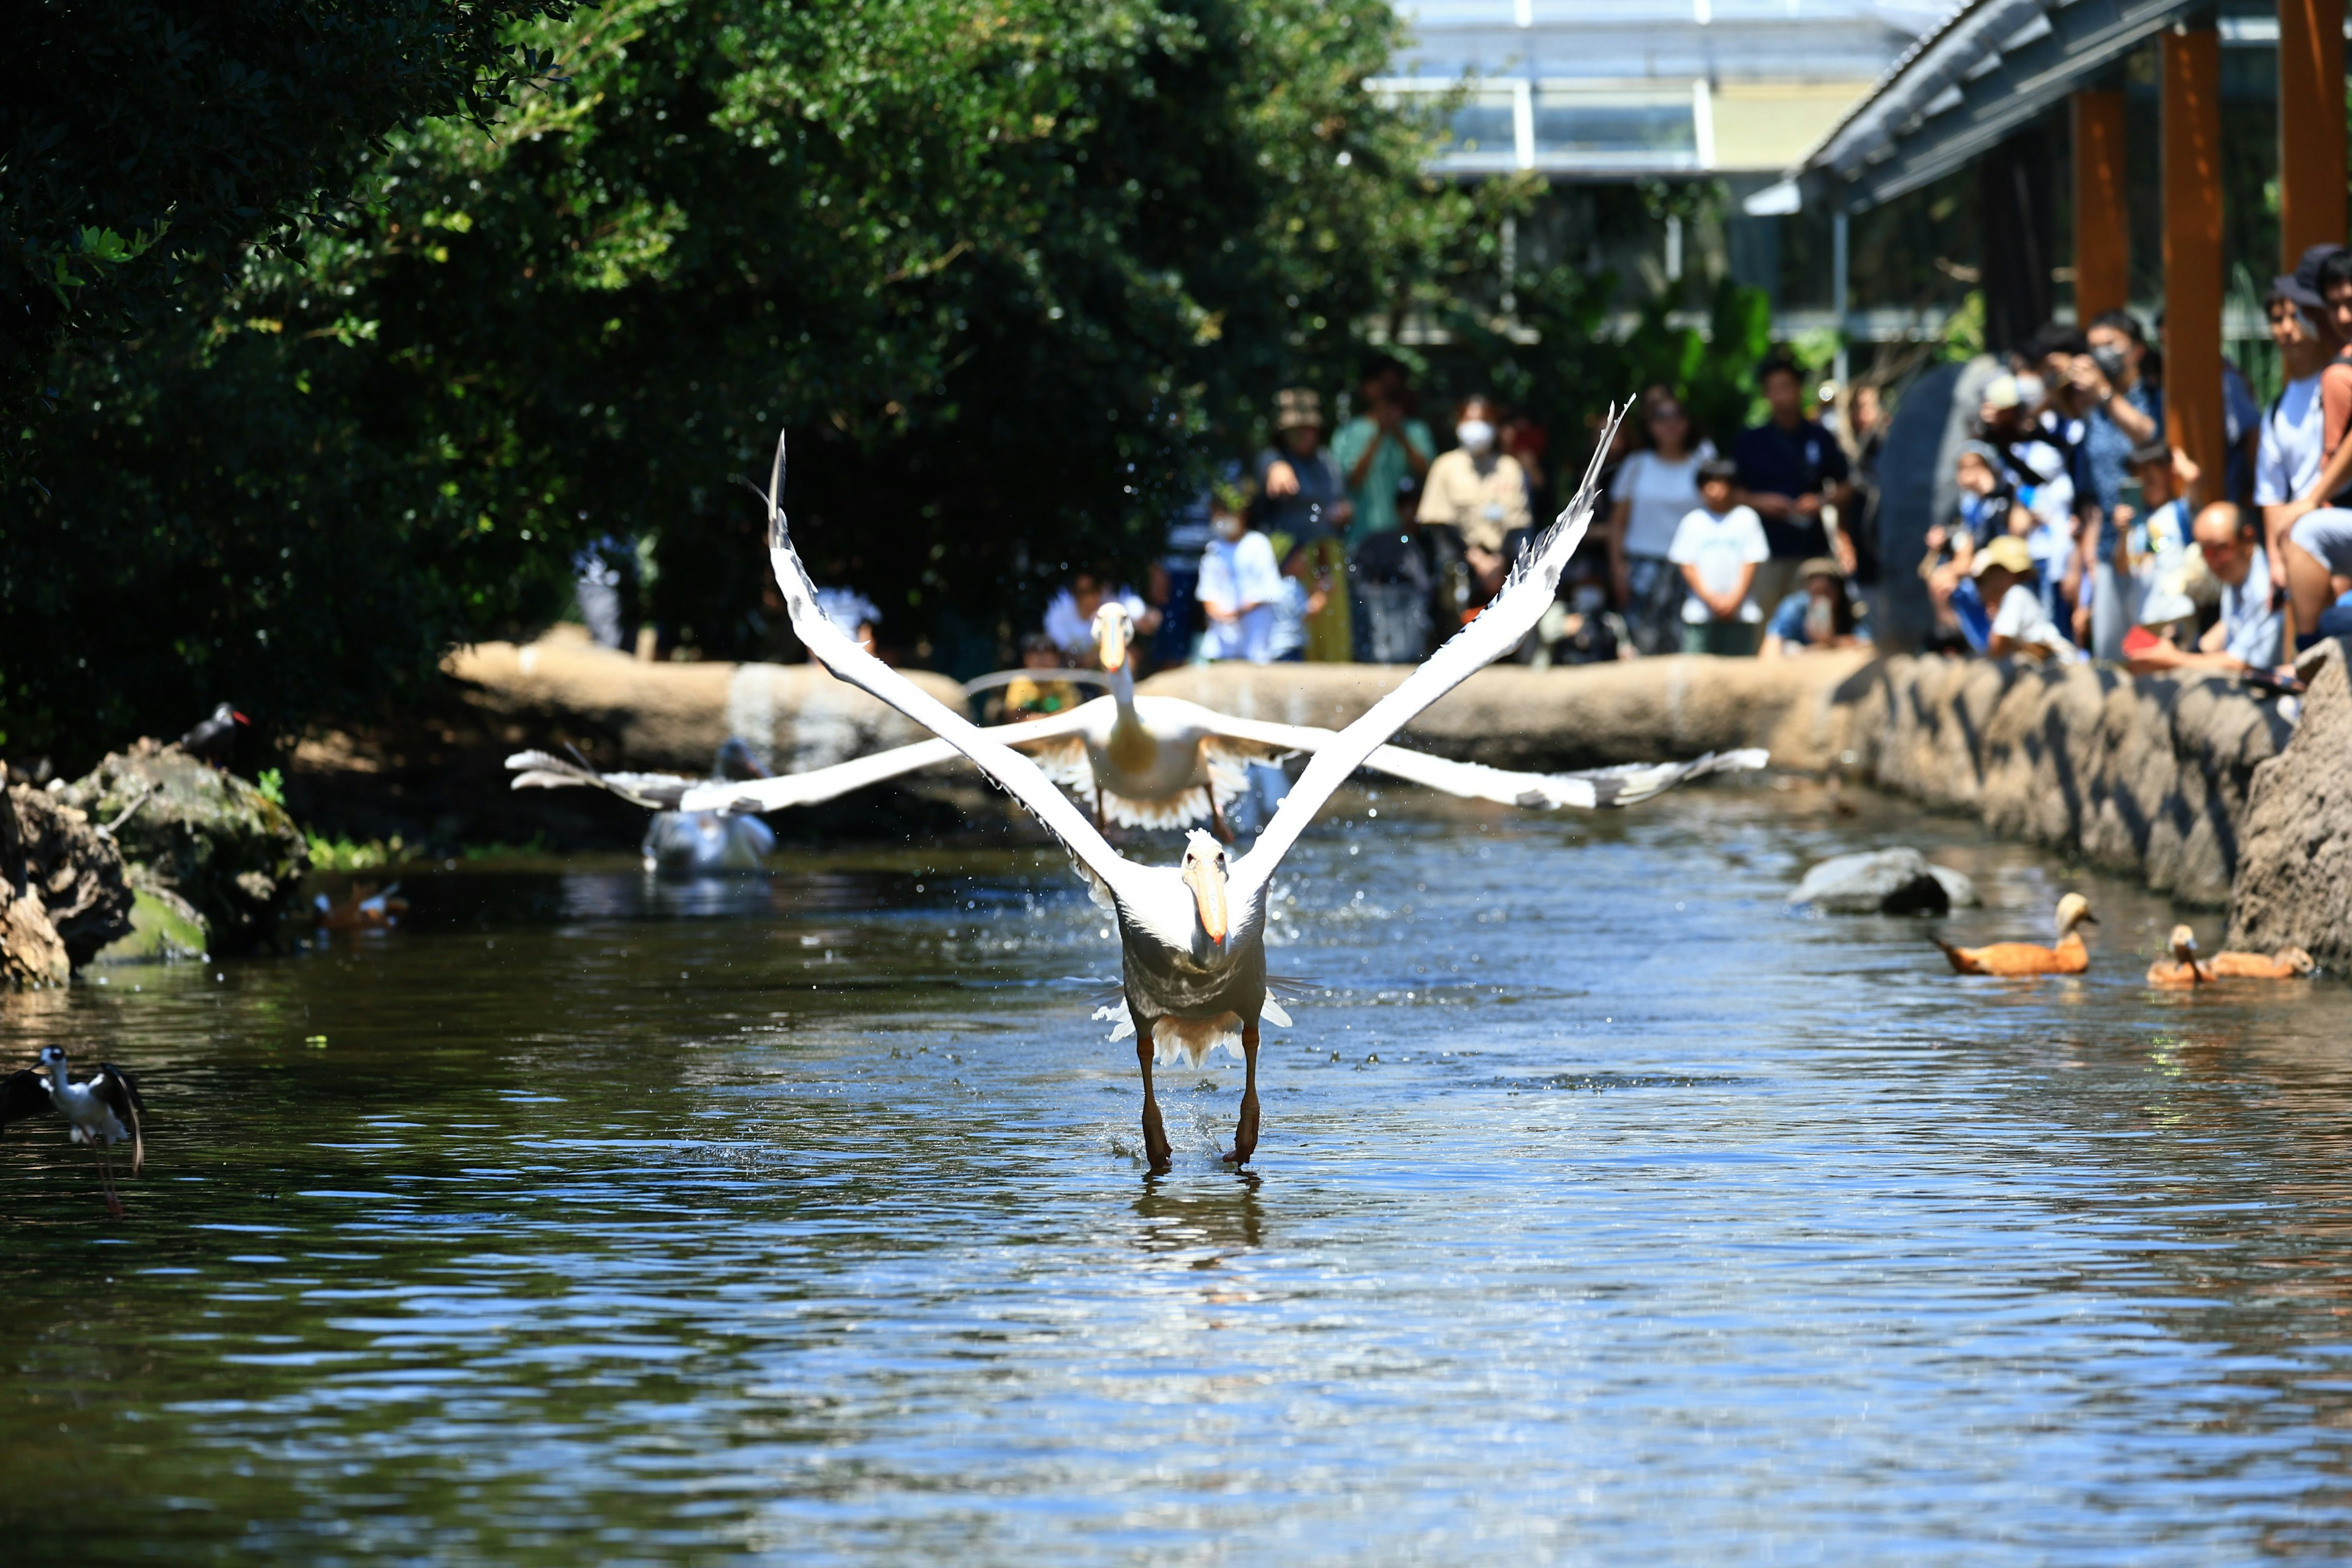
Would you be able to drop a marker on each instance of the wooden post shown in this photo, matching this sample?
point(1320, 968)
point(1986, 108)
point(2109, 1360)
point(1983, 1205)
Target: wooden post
point(2191, 71)
point(2102, 220)
point(2311, 126)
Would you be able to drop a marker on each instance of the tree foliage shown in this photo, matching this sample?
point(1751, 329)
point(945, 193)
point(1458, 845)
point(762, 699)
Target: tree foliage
point(144, 142)
point(1006, 269)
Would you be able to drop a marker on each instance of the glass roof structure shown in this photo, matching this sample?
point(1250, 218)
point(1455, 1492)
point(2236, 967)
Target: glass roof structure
point(1584, 89)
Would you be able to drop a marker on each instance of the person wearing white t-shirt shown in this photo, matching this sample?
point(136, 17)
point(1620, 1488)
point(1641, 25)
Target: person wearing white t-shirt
point(1241, 589)
point(2295, 428)
point(1719, 547)
point(1652, 489)
point(2022, 627)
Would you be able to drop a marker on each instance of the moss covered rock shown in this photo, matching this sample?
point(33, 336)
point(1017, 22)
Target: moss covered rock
point(214, 840)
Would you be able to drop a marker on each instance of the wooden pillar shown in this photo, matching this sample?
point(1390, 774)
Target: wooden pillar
point(2191, 73)
point(2102, 220)
point(2311, 126)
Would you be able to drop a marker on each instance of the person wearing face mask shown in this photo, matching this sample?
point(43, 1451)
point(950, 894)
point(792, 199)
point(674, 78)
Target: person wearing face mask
point(1479, 494)
point(1241, 587)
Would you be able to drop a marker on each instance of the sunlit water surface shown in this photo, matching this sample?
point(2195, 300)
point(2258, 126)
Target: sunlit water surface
point(1606, 1212)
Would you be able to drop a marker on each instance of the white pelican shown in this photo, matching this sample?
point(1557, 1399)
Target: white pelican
point(1192, 935)
point(102, 1110)
point(1142, 761)
point(685, 838)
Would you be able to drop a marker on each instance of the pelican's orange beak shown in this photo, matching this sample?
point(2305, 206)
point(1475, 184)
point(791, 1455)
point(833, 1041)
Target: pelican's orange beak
point(1112, 645)
point(1208, 885)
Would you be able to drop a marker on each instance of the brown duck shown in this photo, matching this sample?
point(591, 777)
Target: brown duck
point(2286, 964)
point(2181, 969)
point(2069, 957)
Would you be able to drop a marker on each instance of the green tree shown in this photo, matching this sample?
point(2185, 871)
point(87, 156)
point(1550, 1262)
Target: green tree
point(144, 142)
point(1007, 269)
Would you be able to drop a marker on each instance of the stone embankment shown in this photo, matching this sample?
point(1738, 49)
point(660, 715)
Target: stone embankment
point(2153, 777)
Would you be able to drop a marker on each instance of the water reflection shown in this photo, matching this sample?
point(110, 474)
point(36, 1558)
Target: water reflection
point(1604, 1212)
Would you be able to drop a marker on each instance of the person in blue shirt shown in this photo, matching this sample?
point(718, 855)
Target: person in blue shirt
point(1790, 469)
point(2247, 640)
point(1818, 615)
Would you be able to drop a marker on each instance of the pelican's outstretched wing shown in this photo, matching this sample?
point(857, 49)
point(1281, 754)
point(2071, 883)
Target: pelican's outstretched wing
point(545, 769)
point(1533, 584)
point(787, 790)
point(842, 654)
point(1588, 789)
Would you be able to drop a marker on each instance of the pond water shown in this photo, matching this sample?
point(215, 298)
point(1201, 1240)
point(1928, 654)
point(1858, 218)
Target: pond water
point(1605, 1211)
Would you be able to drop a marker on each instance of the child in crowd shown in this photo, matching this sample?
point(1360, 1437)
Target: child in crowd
point(1037, 695)
point(1719, 546)
point(2022, 627)
point(1987, 511)
point(1306, 590)
point(2153, 562)
point(1240, 586)
point(1816, 617)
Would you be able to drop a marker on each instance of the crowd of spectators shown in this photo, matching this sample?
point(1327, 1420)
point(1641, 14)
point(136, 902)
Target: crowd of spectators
point(1374, 542)
point(2078, 530)
point(2070, 496)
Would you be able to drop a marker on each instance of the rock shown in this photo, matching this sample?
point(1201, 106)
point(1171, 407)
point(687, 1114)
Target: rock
point(229, 852)
point(165, 927)
point(2295, 841)
point(62, 892)
point(1959, 886)
point(1882, 882)
point(2145, 775)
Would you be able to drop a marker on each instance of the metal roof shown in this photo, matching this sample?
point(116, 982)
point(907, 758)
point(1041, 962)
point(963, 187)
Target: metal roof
point(1987, 69)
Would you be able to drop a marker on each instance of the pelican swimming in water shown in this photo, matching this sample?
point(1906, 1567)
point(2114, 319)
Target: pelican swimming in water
point(2182, 969)
point(101, 1109)
point(1144, 761)
point(1192, 935)
point(2069, 957)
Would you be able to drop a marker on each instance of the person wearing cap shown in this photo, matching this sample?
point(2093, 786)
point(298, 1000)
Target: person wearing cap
point(1305, 496)
point(1818, 615)
point(2020, 626)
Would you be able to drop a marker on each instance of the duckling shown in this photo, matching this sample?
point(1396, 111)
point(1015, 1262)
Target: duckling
point(2286, 964)
point(2181, 968)
point(2069, 957)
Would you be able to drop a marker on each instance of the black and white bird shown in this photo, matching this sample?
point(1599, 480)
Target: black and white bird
point(212, 738)
point(101, 1109)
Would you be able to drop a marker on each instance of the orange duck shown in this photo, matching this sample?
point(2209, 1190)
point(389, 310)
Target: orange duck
point(2069, 957)
point(362, 908)
point(2286, 964)
point(2182, 968)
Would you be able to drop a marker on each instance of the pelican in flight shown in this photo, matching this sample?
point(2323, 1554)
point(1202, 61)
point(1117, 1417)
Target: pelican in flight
point(1192, 935)
point(102, 1110)
point(1140, 762)
point(2069, 957)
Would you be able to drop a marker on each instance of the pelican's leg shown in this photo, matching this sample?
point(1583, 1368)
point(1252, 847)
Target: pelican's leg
point(1155, 1131)
point(1217, 822)
point(1245, 1130)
